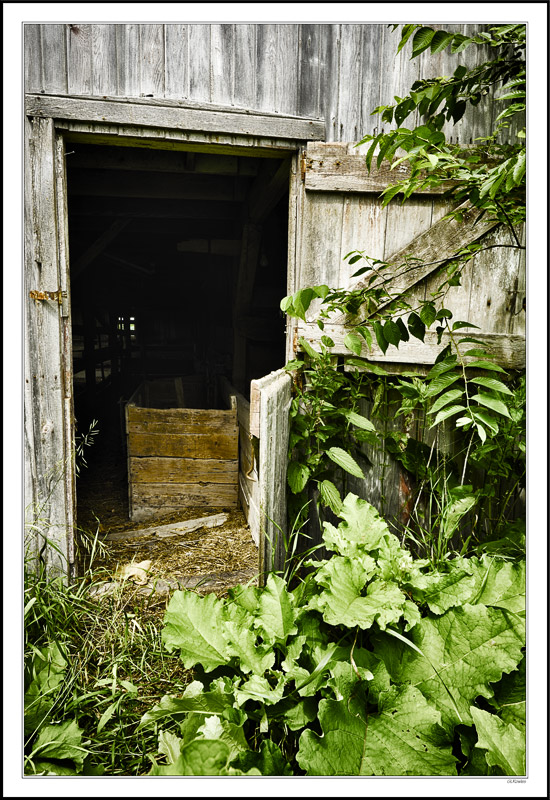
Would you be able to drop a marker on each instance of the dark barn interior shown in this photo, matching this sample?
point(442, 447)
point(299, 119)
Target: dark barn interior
point(178, 265)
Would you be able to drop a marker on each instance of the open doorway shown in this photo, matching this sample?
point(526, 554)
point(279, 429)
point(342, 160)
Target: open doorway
point(178, 264)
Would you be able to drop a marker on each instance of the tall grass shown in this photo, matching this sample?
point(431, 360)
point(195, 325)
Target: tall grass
point(115, 668)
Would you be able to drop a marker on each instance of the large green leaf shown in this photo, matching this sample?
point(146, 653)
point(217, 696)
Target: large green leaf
point(49, 667)
point(200, 757)
point(224, 730)
point(509, 697)
point(63, 741)
point(442, 591)
point(359, 420)
point(345, 461)
point(402, 738)
point(499, 583)
point(268, 760)
point(242, 640)
point(194, 700)
point(492, 402)
point(276, 613)
point(460, 654)
point(297, 476)
point(504, 743)
point(422, 40)
point(361, 529)
point(343, 602)
point(194, 626)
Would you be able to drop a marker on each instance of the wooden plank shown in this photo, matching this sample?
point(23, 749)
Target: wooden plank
point(54, 58)
point(310, 66)
point(155, 420)
point(98, 246)
point(405, 223)
point(141, 113)
point(244, 84)
point(182, 470)
point(275, 398)
point(33, 66)
point(45, 430)
point(79, 59)
point(151, 39)
point(219, 445)
point(285, 68)
point(172, 529)
point(507, 350)
point(104, 60)
point(370, 89)
point(150, 500)
point(199, 62)
point(266, 55)
point(128, 59)
point(352, 77)
point(176, 47)
point(222, 69)
point(338, 170)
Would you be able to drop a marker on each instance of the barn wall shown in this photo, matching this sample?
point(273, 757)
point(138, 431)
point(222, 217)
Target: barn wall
point(335, 72)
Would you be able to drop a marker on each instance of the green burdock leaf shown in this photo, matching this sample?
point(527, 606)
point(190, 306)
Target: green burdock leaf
point(276, 612)
point(241, 638)
point(504, 743)
point(193, 625)
point(361, 529)
point(510, 697)
point(63, 741)
point(460, 654)
point(442, 591)
point(345, 461)
point(401, 739)
point(499, 583)
point(200, 757)
point(342, 602)
point(260, 689)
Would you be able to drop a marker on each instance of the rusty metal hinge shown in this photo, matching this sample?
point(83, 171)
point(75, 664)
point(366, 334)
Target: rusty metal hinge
point(303, 165)
point(57, 295)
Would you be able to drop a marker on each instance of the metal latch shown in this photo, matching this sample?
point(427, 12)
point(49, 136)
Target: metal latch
point(303, 166)
point(57, 295)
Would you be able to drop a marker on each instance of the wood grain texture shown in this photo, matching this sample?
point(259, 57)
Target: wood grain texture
point(152, 60)
point(104, 60)
point(79, 59)
point(148, 500)
point(54, 58)
point(508, 350)
point(176, 49)
point(182, 470)
point(150, 115)
point(182, 445)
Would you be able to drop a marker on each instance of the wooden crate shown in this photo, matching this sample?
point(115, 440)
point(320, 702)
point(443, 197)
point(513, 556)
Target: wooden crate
point(179, 455)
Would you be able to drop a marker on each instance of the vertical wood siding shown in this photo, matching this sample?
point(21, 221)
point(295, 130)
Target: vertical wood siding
point(336, 72)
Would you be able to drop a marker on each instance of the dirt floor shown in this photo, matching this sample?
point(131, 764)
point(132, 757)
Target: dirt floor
point(206, 559)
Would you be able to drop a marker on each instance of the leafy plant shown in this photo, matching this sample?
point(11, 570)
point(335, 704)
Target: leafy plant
point(375, 664)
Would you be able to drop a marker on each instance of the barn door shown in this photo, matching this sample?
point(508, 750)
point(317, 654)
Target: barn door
point(269, 423)
point(339, 210)
point(48, 432)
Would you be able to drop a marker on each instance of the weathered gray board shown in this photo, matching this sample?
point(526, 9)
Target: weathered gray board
point(270, 399)
point(49, 473)
point(335, 72)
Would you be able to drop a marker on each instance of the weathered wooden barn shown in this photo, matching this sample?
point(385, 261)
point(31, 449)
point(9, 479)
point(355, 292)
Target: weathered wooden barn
point(180, 179)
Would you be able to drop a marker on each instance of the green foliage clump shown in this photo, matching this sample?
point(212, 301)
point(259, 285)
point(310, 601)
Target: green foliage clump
point(375, 664)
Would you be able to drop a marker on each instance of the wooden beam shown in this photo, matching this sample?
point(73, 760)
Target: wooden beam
point(332, 168)
point(265, 194)
point(152, 185)
point(98, 246)
point(507, 350)
point(144, 160)
point(128, 111)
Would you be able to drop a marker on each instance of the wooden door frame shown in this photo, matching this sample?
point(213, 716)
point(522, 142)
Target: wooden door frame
point(165, 125)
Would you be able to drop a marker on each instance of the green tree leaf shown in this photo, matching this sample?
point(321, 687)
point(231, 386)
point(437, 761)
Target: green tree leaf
point(353, 342)
point(359, 420)
point(392, 332)
point(444, 399)
point(441, 382)
point(446, 413)
point(416, 326)
point(422, 40)
point(440, 41)
point(297, 476)
point(400, 739)
point(493, 403)
point(330, 496)
point(504, 743)
point(492, 383)
point(345, 461)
